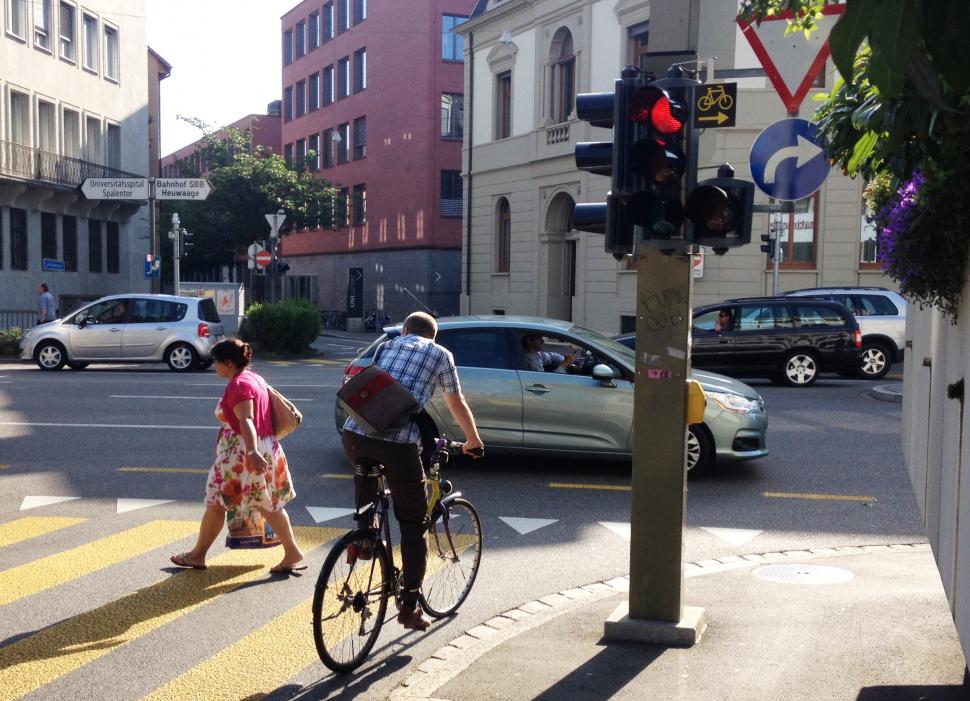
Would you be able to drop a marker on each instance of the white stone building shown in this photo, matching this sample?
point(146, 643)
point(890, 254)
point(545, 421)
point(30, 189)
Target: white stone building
point(525, 60)
point(74, 86)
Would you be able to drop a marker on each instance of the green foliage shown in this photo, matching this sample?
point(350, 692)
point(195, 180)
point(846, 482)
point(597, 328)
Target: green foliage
point(10, 340)
point(289, 326)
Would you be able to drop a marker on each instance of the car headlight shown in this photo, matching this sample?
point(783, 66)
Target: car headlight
point(734, 403)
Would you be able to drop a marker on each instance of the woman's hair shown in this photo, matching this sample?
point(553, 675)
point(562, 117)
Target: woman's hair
point(234, 351)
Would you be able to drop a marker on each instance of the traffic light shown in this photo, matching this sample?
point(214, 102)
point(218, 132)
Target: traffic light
point(720, 210)
point(282, 267)
point(595, 157)
point(185, 242)
point(770, 245)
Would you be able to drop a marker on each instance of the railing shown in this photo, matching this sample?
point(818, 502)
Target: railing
point(333, 319)
point(26, 163)
point(16, 318)
point(557, 134)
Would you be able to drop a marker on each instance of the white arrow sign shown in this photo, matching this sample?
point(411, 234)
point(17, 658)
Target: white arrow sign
point(253, 249)
point(115, 188)
point(182, 188)
point(804, 152)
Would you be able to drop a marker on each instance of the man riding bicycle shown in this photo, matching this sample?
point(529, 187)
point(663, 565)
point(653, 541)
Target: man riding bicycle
point(421, 366)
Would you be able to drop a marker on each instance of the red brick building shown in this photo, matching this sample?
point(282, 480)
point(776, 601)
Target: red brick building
point(264, 130)
point(372, 101)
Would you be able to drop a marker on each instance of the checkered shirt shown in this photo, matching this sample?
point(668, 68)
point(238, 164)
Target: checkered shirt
point(421, 365)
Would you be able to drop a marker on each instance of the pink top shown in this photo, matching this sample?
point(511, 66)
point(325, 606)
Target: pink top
point(248, 385)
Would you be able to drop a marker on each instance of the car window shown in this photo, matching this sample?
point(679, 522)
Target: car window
point(110, 312)
point(715, 320)
point(208, 312)
point(155, 311)
point(876, 305)
point(477, 348)
point(817, 315)
point(754, 317)
point(562, 355)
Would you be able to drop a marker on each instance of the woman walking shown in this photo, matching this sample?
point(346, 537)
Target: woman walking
point(250, 469)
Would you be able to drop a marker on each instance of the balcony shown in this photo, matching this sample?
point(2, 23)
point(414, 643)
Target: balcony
point(31, 164)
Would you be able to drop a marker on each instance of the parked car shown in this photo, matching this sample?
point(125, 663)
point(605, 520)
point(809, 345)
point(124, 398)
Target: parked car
point(881, 315)
point(790, 341)
point(129, 328)
point(584, 412)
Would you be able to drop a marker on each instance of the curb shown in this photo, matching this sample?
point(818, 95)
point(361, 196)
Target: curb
point(888, 393)
point(454, 658)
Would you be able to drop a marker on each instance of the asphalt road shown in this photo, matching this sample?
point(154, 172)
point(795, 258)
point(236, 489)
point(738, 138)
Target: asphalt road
point(92, 610)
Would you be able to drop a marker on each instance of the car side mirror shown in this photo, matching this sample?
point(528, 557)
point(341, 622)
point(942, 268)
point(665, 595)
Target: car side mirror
point(604, 375)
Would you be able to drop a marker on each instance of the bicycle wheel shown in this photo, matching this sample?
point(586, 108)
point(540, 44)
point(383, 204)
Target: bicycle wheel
point(454, 555)
point(350, 600)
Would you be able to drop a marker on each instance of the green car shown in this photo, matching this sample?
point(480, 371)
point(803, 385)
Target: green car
point(548, 387)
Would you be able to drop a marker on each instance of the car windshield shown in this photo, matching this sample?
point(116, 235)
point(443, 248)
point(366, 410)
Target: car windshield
point(607, 344)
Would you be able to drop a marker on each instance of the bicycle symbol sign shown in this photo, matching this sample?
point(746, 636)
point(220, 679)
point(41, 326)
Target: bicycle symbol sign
point(716, 105)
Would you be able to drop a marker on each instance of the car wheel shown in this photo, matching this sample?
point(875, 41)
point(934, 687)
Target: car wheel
point(181, 357)
point(700, 450)
point(76, 365)
point(50, 355)
point(874, 362)
point(800, 369)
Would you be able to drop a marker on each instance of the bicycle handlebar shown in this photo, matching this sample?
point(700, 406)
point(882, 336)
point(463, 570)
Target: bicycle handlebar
point(454, 448)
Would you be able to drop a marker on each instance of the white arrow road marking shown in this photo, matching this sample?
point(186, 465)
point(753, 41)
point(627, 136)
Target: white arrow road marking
point(34, 502)
point(803, 152)
point(621, 529)
point(126, 505)
point(327, 513)
point(527, 525)
point(734, 536)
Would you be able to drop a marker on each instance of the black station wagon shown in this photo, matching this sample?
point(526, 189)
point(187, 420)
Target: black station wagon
point(790, 340)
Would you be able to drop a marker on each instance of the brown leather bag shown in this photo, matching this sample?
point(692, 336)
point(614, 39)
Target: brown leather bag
point(376, 401)
point(286, 417)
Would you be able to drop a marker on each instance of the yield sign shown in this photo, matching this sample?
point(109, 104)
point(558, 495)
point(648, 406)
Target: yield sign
point(791, 62)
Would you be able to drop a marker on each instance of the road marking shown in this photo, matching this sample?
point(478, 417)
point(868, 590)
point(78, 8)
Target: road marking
point(32, 502)
point(54, 424)
point(319, 361)
point(39, 659)
point(734, 536)
point(281, 363)
point(621, 529)
point(33, 577)
point(333, 475)
point(187, 470)
point(605, 487)
point(126, 505)
point(527, 525)
point(819, 497)
point(327, 513)
point(164, 396)
point(29, 527)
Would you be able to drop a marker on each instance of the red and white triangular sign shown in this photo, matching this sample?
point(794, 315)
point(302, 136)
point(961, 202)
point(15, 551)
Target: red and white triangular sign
point(786, 58)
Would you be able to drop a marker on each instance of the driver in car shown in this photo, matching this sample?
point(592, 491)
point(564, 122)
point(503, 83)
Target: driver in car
point(538, 360)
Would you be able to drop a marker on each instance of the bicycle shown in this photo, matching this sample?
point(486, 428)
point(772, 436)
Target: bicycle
point(360, 575)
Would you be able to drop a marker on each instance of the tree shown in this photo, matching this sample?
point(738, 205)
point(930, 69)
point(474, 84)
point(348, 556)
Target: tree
point(246, 184)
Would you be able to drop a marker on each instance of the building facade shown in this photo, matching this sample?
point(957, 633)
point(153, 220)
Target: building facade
point(74, 88)
point(525, 62)
point(372, 101)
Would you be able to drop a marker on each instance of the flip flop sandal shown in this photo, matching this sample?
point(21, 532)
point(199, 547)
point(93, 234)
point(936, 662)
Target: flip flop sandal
point(182, 562)
point(287, 569)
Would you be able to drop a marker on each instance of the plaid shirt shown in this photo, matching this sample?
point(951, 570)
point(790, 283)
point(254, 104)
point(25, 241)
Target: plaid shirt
point(421, 365)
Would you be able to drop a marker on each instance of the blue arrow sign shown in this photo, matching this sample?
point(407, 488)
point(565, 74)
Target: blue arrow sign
point(787, 162)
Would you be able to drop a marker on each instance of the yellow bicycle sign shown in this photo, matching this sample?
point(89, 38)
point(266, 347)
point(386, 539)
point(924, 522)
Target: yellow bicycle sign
point(716, 105)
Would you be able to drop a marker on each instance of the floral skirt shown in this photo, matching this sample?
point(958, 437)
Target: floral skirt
point(234, 485)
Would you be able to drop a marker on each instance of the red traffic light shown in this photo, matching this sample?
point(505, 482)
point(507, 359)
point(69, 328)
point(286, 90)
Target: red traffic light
point(652, 106)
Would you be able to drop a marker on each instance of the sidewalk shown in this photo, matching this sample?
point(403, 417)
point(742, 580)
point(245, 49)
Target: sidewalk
point(882, 633)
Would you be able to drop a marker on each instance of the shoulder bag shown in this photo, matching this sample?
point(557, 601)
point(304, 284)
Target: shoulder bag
point(377, 401)
point(286, 417)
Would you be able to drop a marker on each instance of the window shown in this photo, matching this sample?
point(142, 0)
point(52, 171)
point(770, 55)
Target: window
point(754, 317)
point(343, 142)
point(563, 76)
point(816, 315)
point(328, 148)
point(313, 93)
point(343, 77)
point(797, 232)
point(69, 234)
point(868, 246)
point(299, 40)
point(638, 35)
point(94, 245)
point(114, 146)
point(111, 60)
point(340, 209)
point(360, 11)
point(301, 99)
point(17, 18)
point(92, 140)
point(288, 104)
point(48, 235)
point(359, 205)
point(450, 193)
point(44, 24)
point(313, 151)
point(19, 118)
point(360, 70)
point(313, 31)
point(287, 47)
point(112, 245)
point(18, 239)
point(90, 42)
point(452, 45)
point(300, 155)
point(360, 138)
point(452, 115)
point(628, 324)
point(155, 311)
point(288, 155)
point(328, 23)
point(343, 15)
point(1, 238)
point(68, 32)
point(72, 134)
point(503, 236)
point(46, 126)
point(503, 117)
point(477, 348)
point(328, 85)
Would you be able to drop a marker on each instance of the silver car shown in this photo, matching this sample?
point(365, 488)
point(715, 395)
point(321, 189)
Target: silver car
point(130, 328)
point(573, 413)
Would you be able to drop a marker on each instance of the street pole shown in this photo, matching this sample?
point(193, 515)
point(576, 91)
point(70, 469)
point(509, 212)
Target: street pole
point(776, 263)
point(153, 242)
point(174, 235)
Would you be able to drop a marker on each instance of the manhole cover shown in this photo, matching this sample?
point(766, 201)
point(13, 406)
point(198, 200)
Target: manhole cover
point(803, 574)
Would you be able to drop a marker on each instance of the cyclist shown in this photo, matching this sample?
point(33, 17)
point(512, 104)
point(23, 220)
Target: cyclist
point(421, 365)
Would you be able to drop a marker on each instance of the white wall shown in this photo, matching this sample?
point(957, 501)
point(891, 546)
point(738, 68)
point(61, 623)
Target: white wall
point(523, 84)
point(606, 47)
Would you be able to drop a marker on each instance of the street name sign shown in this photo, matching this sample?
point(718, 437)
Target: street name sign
point(716, 105)
point(52, 265)
point(182, 188)
point(792, 63)
point(115, 188)
point(787, 162)
point(264, 258)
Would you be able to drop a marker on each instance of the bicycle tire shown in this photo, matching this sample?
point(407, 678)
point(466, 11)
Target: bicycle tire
point(454, 556)
point(350, 601)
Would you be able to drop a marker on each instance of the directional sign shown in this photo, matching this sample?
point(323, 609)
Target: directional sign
point(181, 188)
point(153, 266)
point(716, 105)
point(786, 160)
point(52, 265)
point(355, 293)
point(264, 258)
point(115, 188)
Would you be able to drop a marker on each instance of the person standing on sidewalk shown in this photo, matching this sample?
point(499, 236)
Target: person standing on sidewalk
point(45, 305)
point(421, 366)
